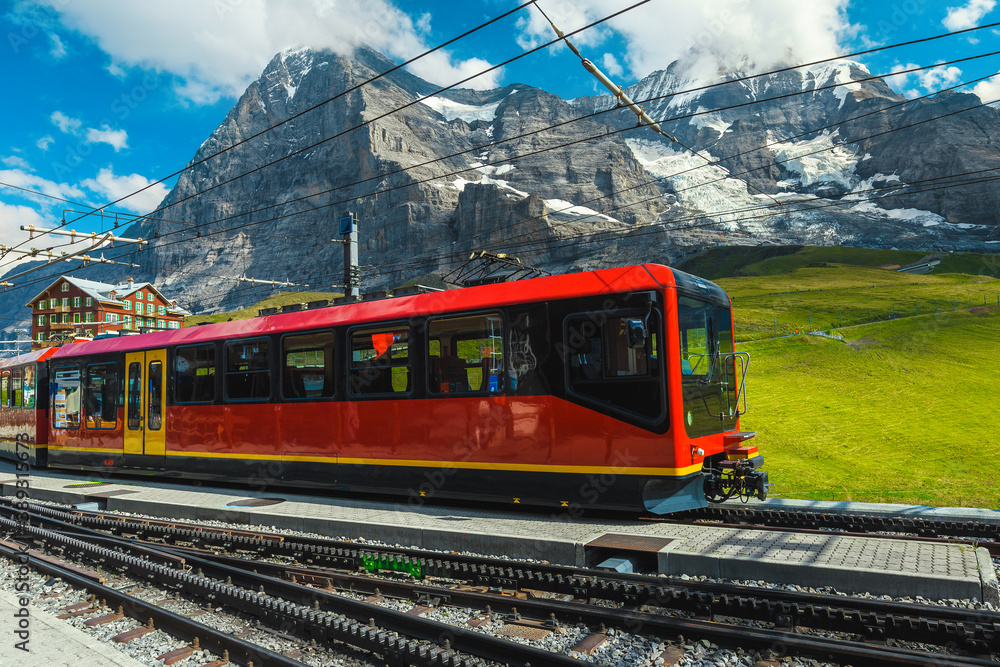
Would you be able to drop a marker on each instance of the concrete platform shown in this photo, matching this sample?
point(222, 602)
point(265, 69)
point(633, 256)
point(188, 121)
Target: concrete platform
point(849, 564)
point(51, 642)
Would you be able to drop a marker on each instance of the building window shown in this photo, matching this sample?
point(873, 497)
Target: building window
point(41, 320)
point(127, 305)
point(41, 336)
point(138, 295)
point(76, 302)
point(194, 368)
point(65, 302)
point(149, 296)
point(90, 316)
point(161, 310)
point(380, 360)
point(89, 301)
point(149, 309)
point(53, 303)
point(101, 396)
point(65, 318)
point(41, 304)
point(64, 287)
point(76, 318)
point(127, 321)
point(248, 375)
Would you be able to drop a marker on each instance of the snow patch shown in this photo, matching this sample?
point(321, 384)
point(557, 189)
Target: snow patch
point(460, 183)
point(828, 74)
point(702, 187)
point(916, 216)
point(562, 207)
point(709, 120)
point(832, 164)
point(467, 112)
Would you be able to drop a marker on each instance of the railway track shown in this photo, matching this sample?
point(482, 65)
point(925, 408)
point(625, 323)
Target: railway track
point(313, 576)
point(974, 533)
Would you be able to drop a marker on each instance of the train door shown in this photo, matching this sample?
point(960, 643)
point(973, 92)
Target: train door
point(145, 408)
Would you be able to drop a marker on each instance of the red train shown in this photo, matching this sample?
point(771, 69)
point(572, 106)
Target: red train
point(617, 388)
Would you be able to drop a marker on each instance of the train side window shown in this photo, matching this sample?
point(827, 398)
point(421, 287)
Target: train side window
point(16, 388)
point(29, 386)
point(380, 360)
point(100, 396)
point(603, 367)
point(307, 366)
point(66, 398)
point(248, 373)
point(134, 417)
point(5, 389)
point(194, 370)
point(465, 354)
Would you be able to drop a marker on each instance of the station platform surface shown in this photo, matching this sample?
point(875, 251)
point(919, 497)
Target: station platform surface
point(849, 564)
point(51, 642)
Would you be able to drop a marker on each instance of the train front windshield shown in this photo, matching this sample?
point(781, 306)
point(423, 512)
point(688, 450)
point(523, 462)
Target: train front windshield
point(708, 374)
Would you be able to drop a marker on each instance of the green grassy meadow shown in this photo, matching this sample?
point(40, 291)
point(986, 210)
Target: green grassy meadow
point(904, 409)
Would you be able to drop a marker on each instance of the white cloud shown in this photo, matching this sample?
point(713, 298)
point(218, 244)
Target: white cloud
point(988, 90)
point(115, 138)
point(15, 161)
point(939, 77)
point(931, 80)
point(45, 142)
point(58, 48)
point(20, 178)
point(65, 123)
point(217, 48)
point(12, 216)
point(757, 34)
point(611, 65)
point(968, 15)
point(112, 187)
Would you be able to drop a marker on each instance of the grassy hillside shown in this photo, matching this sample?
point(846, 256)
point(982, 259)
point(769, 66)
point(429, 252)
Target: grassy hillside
point(902, 412)
point(835, 295)
point(734, 261)
point(273, 301)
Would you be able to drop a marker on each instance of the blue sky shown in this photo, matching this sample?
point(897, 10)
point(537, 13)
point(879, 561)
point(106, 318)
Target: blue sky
point(104, 97)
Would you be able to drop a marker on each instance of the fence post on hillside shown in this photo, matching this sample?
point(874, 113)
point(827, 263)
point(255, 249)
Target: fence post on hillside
point(775, 326)
point(916, 308)
point(810, 322)
point(841, 319)
point(893, 311)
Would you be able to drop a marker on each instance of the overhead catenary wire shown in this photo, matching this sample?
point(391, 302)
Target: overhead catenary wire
point(855, 54)
point(634, 203)
point(468, 169)
point(814, 91)
point(622, 98)
point(524, 6)
point(658, 97)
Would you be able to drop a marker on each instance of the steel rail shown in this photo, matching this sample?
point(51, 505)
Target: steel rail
point(240, 652)
point(407, 639)
point(486, 571)
point(852, 651)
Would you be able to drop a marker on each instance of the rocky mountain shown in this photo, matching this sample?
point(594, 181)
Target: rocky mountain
point(482, 170)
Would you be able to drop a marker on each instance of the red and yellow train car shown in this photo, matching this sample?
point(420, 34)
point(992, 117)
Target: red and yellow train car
point(617, 388)
point(23, 407)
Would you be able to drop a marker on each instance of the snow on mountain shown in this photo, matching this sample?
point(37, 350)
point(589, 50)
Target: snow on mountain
point(467, 112)
point(817, 160)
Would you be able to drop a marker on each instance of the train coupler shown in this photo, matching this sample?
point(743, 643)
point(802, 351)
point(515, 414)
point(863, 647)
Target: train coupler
point(740, 478)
